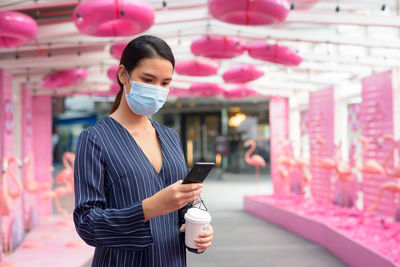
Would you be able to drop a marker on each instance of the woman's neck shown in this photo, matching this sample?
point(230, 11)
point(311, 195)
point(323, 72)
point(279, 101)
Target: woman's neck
point(127, 118)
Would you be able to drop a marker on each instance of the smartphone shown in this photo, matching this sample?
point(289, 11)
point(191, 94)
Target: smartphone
point(199, 172)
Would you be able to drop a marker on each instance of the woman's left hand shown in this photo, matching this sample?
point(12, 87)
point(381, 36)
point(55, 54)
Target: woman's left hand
point(204, 240)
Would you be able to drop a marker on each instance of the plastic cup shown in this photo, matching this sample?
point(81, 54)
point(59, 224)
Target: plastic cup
point(197, 221)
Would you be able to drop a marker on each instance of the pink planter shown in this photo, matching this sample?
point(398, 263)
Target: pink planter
point(113, 17)
point(16, 29)
point(206, 90)
point(218, 47)
point(64, 78)
point(249, 12)
point(117, 48)
point(242, 74)
point(197, 68)
point(240, 92)
point(274, 53)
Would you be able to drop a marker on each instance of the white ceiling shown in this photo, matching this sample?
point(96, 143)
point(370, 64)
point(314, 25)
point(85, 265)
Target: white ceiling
point(336, 46)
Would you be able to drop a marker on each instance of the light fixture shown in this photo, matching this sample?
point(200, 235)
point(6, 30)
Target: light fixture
point(236, 119)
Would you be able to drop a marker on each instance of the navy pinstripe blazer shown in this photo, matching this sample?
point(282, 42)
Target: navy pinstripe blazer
point(112, 178)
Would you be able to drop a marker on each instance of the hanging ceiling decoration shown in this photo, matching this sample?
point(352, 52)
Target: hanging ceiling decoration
point(217, 47)
point(242, 74)
point(240, 92)
point(179, 93)
point(112, 72)
point(249, 12)
point(197, 67)
point(117, 48)
point(64, 78)
point(16, 29)
point(206, 90)
point(110, 18)
point(274, 53)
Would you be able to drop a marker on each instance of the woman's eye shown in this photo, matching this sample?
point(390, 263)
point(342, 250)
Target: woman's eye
point(165, 84)
point(147, 80)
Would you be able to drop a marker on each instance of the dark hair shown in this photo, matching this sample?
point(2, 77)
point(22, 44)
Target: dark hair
point(142, 47)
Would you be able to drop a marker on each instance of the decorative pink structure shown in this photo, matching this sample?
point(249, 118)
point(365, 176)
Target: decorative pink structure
point(274, 53)
point(217, 47)
point(12, 227)
point(117, 48)
point(242, 74)
point(206, 90)
point(16, 29)
point(110, 18)
point(248, 12)
point(377, 120)
point(395, 170)
point(112, 73)
point(64, 78)
point(240, 92)
point(254, 160)
point(197, 67)
point(279, 121)
point(321, 125)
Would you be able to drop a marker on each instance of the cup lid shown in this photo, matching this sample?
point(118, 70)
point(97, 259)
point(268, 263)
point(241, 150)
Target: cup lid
point(195, 214)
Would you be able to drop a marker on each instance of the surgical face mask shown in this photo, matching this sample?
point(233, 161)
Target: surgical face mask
point(145, 99)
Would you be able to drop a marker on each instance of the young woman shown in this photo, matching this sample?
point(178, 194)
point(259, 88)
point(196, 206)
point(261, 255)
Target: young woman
point(129, 170)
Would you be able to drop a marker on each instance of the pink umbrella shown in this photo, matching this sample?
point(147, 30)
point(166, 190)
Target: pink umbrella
point(16, 29)
point(218, 46)
point(197, 68)
point(249, 12)
point(64, 78)
point(242, 74)
point(117, 48)
point(112, 72)
point(274, 53)
point(240, 92)
point(113, 18)
point(206, 90)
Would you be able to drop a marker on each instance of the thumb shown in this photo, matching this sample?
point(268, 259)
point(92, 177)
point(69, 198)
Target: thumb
point(182, 228)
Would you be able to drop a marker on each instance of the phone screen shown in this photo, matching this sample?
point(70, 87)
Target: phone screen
point(198, 173)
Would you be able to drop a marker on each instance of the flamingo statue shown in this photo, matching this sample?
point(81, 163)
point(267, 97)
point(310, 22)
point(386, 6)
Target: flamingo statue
point(6, 204)
point(369, 166)
point(388, 186)
point(304, 165)
point(324, 162)
point(284, 162)
point(67, 174)
point(254, 160)
point(395, 172)
point(30, 184)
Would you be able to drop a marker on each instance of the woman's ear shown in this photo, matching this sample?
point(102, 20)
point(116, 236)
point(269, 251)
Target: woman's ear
point(122, 75)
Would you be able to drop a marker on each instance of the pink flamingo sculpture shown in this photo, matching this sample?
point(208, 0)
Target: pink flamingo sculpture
point(324, 162)
point(30, 184)
point(67, 174)
point(254, 160)
point(395, 172)
point(6, 204)
point(304, 165)
point(369, 166)
point(388, 186)
point(284, 162)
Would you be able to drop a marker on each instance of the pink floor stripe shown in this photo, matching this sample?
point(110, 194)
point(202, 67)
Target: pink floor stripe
point(61, 245)
point(336, 240)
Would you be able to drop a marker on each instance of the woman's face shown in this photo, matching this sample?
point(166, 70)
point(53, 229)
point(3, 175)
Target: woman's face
point(156, 71)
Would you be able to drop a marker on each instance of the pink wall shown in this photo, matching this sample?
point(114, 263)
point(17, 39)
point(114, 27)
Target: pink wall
point(30, 199)
point(11, 225)
point(279, 121)
point(377, 120)
point(321, 124)
point(42, 143)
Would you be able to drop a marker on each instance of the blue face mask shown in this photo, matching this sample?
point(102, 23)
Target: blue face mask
point(145, 99)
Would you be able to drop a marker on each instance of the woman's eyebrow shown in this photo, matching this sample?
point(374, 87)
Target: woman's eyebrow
point(155, 77)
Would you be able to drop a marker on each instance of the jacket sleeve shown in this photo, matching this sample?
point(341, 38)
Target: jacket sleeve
point(96, 224)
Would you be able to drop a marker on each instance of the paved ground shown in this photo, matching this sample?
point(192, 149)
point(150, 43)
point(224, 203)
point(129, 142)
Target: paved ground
point(243, 240)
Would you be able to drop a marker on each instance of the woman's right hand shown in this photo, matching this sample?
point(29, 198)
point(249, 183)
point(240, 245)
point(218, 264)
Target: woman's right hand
point(170, 199)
